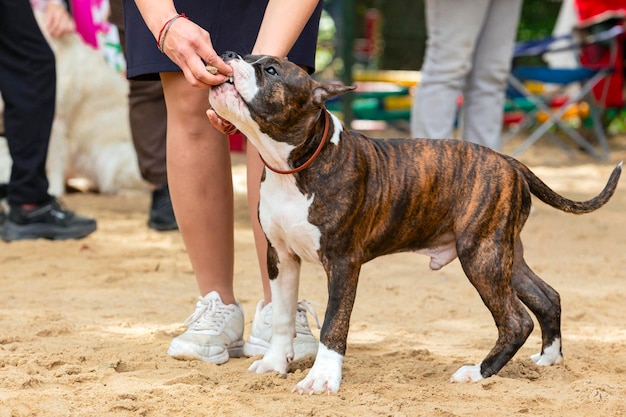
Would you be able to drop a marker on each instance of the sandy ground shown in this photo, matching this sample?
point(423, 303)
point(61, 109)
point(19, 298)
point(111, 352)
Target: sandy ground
point(85, 325)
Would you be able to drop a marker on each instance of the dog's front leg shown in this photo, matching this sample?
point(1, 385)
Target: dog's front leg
point(284, 272)
point(325, 375)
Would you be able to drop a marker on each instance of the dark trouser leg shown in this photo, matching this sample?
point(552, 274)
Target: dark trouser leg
point(147, 115)
point(28, 86)
point(148, 123)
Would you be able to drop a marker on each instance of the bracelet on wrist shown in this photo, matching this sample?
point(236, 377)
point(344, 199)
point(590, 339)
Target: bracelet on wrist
point(166, 27)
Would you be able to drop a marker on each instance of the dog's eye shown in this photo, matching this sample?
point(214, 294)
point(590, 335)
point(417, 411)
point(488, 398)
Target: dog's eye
point(271, 70)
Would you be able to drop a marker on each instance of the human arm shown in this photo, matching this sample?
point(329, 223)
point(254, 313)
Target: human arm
point(282, 24)
point(186, 43)
point(57, 20)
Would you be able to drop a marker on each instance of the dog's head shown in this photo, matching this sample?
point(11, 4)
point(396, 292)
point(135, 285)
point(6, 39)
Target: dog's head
point(272, 101)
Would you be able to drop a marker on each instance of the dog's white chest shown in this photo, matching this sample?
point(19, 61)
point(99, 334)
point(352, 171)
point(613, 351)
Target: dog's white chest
point(283, 213)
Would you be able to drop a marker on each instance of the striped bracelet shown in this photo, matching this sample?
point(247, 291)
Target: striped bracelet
point(166, 27)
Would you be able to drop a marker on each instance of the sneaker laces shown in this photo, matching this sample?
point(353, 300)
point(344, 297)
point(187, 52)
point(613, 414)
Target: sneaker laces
point(302, 324)
point(209, 315)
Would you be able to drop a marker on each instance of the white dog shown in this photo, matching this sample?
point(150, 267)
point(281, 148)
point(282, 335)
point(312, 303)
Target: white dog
point(91, 136)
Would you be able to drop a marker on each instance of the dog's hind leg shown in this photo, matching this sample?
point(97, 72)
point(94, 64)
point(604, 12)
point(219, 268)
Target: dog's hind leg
point(59, 161)
point(488, 266)
point(545, 304)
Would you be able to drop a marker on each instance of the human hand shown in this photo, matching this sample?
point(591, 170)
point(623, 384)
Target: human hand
point(190, 47)
point(220, 123)
point(58, 21)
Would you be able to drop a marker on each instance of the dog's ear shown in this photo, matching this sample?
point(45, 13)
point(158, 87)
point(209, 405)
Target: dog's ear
point(324, 91)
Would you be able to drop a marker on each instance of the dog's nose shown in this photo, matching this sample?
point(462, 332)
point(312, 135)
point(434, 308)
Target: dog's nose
point(230, 55)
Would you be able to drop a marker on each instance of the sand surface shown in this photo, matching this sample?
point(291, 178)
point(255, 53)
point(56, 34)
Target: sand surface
point(85, 325)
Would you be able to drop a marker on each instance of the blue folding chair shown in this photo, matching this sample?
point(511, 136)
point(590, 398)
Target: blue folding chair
point(561, 78)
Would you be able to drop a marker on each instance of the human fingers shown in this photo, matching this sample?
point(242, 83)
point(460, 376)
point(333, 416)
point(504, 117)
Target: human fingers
point(190, 47)
point(215, 64)
point(212, 69)
point(58, 22)
point(52, 22)
point(65, 27)
point(220, 123)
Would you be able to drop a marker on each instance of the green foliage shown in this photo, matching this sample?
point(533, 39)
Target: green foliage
point(326, 42)
point(537, 19)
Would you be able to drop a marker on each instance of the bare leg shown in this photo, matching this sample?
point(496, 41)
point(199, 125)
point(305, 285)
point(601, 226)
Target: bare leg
point(200, 178)
point(254, 173)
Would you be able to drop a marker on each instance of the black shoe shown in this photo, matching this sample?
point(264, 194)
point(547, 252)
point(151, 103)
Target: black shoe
point(161, 211)
point(48, 221)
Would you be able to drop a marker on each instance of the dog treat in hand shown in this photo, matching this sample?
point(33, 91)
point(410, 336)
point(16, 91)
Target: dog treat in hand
point(213, 70)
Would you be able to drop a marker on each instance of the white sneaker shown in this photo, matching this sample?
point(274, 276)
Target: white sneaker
point(214, 332)
point(304, 345)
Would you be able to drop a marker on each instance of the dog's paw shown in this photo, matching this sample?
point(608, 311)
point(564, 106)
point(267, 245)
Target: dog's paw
point(270, 363)
point(468, 373)
point(324, 376)
point(318, 384)
point(550, 355)
point(261, 367)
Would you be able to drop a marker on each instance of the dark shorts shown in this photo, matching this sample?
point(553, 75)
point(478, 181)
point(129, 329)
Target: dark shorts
point(233, 25)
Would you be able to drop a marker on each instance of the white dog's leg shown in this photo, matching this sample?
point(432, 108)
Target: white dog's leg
point(58, 161)
point(324, 376)
point(467, 373)
point(284, 300)
point(5, 160)
point(550, 355)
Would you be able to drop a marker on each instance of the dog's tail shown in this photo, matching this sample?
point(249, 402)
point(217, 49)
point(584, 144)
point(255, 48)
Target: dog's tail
point(552, 198)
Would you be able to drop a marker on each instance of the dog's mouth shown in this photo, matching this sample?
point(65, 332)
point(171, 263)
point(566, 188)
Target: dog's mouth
point(225, 94)
point(228, 84)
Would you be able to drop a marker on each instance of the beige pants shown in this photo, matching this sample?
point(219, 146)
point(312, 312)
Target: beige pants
point(468, 54)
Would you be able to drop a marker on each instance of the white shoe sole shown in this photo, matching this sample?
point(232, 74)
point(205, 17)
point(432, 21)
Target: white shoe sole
point(255, 346)
point(303, 349)
point(185, 351)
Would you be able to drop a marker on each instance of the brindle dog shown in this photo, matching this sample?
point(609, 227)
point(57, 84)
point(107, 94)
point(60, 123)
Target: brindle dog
point(339, 199)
